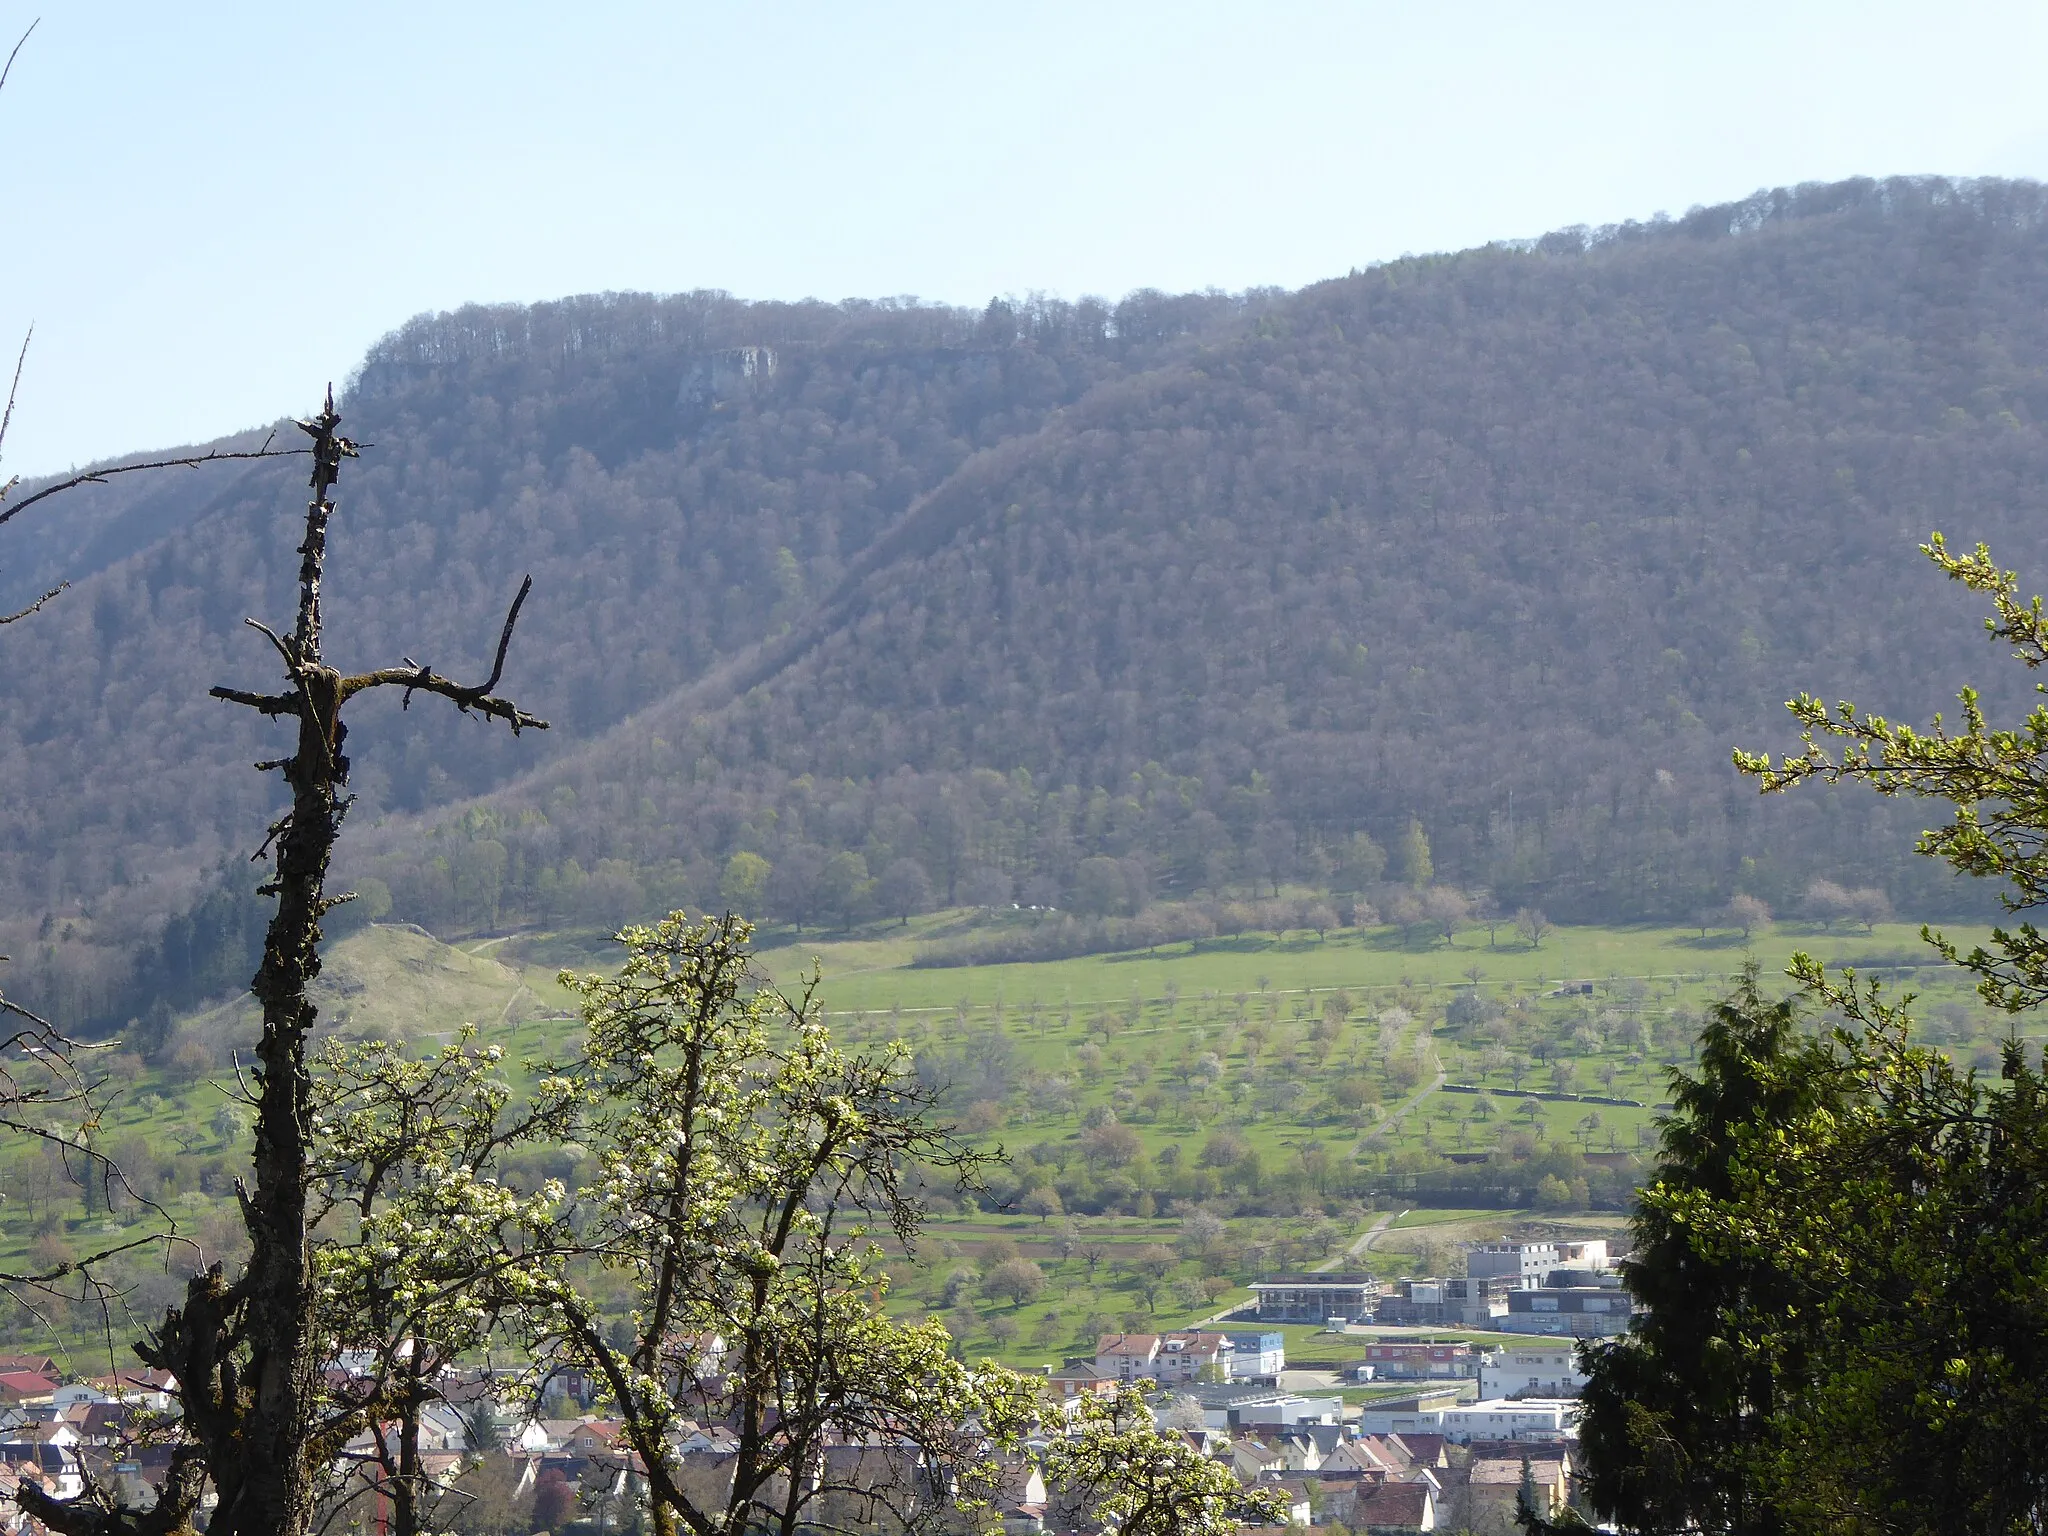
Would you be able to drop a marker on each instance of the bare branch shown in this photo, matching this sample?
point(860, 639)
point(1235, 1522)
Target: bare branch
point(268, 703)
point(189, 461)
point(505, 638)
point(38, 603)
point(8, 68)
point(465, 699)
point(21, 358)
point(415, 677)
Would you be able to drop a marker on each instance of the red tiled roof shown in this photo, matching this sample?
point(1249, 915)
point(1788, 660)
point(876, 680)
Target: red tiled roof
point(1127, 1344)
point(1391, 1504)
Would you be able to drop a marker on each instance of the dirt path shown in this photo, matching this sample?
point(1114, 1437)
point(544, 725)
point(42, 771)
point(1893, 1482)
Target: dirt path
point(1360, 1248)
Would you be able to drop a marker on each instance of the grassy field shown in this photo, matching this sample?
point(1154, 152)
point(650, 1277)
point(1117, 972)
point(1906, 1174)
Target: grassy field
point(1259, 1077)
point(873, 971)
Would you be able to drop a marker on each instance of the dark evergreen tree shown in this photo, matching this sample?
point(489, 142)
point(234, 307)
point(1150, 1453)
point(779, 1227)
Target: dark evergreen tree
point(1680, 1410)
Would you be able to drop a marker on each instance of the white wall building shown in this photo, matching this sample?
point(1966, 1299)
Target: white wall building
point(1536, 1370)
point(1535, 1418)
point(1533, 1263)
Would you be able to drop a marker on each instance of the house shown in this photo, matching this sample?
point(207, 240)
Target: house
point(542, 1437)
point(595, 1437)
point(1256, 1460)
point(1515, 1450)
point(1191, 1354)
point(141, 1387)
point(698, 1440)
point(1126, 1356)
point(1423, 1450)
point(1384, 1458)
point(1078, 1377)
point(1497, 1486)
point(1213, 1443)
point(17, 1387)
point(1020, 1497)
point(1256, 1356)
point(1414, 1362)
point(442, 1429)
point(1532, 1418)
point(1236, 1405)
point(1541, 1370)
point(103, 1424)
point(1390, 1507)
point(1357, 1456)
point(1317, 1297)
point(40, 1365)
point(1300, 1506)
point(51, 1455)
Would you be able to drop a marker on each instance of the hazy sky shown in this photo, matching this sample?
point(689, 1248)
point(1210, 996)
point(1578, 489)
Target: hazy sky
point(214, 208)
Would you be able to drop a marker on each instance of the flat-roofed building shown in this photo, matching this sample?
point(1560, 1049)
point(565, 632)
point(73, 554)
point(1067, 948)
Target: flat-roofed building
point(1532, 1263)
point(1316, 1297)
point(1531, 1370)
point(1579, 1311)
point(1390, 1361)
point(1256, 1356)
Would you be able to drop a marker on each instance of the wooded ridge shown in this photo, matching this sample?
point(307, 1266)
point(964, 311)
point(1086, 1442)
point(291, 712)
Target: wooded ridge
point(1515, 542)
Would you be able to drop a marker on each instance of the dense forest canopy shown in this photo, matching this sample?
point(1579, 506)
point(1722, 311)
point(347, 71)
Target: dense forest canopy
point(1515, 542)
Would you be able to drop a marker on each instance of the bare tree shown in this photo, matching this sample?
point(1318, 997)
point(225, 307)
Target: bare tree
point(48, 1090)
point(245, 1352)
point(1746, 912)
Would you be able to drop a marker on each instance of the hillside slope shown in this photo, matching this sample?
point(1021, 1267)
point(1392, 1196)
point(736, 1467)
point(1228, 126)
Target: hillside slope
point(1516, 542)
point(672, 506)
point(1559, 521)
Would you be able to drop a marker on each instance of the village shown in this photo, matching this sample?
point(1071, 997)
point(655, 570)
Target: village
point(1480, 1429)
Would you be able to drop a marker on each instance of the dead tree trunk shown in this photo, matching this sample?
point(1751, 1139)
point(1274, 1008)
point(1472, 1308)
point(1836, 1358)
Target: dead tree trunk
point(244, 1353)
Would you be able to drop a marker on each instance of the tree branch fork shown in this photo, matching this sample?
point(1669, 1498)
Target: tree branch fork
point(315, 682)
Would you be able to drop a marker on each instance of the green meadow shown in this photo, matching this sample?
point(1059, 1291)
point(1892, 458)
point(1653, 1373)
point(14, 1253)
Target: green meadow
point(1292, 1087)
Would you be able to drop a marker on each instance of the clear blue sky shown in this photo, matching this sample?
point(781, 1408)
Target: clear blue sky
point(213, 208)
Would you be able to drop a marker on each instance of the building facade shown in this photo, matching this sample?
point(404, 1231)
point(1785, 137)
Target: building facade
point(1535, 1370)
point(1578, 1311)
point(1415, 1362)
point(1531, 1264)
point(1316, 1298)
point(1256, 1356)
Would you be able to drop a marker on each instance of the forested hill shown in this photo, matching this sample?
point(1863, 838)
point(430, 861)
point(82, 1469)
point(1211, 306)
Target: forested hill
point(671, 507)
point(1204, 585)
